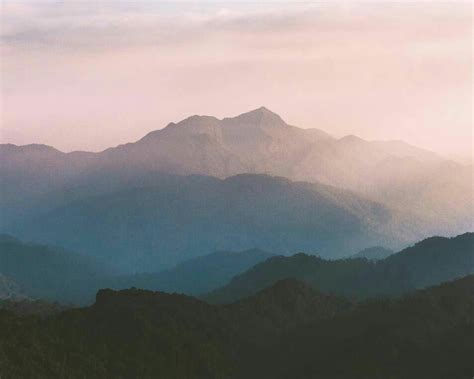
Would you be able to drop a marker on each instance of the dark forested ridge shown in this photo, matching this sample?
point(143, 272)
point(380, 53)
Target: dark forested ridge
point(286, 331)
point(429, 334)
point(428, 262)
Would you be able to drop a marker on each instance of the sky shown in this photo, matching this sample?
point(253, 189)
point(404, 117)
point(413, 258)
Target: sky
point(82, 75)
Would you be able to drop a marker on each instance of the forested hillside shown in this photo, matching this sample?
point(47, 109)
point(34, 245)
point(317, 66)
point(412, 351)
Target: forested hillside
point(286, 331)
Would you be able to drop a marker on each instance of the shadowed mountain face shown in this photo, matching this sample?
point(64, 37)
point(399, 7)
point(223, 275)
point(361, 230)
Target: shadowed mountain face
point(153, 227)
point(285, 331)
point(428, 262)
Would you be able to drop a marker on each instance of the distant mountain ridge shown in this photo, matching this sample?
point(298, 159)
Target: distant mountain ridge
point(258, 141)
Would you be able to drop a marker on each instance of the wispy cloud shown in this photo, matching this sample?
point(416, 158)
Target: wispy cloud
point(115, 24)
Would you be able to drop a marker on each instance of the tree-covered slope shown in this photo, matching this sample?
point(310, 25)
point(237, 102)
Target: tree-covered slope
point(429, 334)
point(286, 331)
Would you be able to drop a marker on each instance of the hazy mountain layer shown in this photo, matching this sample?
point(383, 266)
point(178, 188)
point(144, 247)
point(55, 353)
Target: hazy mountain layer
point(155, 226)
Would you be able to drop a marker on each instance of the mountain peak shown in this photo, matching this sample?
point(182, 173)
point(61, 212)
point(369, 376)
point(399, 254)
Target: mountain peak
point(260, 116)
point(262, 111)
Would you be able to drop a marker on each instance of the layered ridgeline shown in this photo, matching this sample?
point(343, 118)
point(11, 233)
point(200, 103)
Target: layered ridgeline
point(424, 193)
point(285, 331)
point(173, 218)
point(428, 262)
point(31, 271)
point(53, 274)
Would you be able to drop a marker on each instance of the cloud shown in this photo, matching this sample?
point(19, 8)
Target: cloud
point(114, 25)
point(93, 27)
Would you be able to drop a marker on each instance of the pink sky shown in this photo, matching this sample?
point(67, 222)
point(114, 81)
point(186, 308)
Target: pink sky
point(81, 76)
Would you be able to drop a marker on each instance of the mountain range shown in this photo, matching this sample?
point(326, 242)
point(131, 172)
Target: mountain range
point(56, 275)
point(206, 184)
